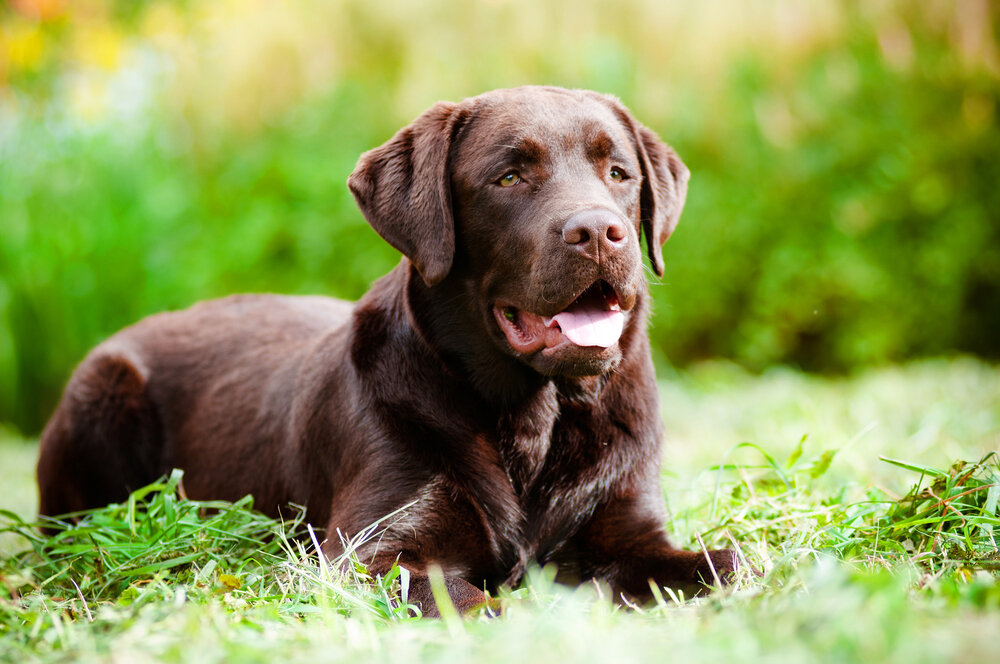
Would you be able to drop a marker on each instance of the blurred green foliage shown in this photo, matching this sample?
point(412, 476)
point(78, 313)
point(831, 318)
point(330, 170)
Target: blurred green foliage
point(844, 207)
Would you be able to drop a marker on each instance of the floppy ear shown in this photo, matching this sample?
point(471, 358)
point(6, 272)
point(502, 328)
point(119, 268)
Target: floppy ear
point(664, 189)
point(404, 190)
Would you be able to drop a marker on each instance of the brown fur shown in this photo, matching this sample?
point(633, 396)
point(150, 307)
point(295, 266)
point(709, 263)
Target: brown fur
point(413, 394)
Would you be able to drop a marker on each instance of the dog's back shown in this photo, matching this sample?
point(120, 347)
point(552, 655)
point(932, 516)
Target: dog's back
point(125, 413)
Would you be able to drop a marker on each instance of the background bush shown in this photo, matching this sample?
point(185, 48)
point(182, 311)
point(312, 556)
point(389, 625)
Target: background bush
point(844, 207)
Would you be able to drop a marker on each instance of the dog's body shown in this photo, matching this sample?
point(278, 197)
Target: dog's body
point(499, 379)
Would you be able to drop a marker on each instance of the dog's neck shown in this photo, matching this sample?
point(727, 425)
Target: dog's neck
point(451, 324)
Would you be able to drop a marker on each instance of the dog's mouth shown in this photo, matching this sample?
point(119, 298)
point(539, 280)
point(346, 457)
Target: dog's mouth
point(594, 319)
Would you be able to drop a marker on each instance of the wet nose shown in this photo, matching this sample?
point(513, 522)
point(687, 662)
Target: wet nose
point(596, 234)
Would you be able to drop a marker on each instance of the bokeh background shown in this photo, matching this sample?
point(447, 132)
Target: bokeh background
point(844, 208)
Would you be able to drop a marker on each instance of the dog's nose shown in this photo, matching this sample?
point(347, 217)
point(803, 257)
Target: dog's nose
point(595, 233)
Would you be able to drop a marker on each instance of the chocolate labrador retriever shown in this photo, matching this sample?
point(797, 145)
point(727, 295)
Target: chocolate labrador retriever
point(497, 382)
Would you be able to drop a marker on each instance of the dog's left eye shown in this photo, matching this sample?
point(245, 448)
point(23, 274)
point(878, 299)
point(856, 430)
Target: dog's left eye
point(509, 179)
point(617, 175)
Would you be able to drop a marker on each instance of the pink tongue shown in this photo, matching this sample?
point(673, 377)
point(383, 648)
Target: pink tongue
point(586, 326)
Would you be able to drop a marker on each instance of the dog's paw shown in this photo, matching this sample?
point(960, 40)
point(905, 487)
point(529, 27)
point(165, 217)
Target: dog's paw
point(718, 566)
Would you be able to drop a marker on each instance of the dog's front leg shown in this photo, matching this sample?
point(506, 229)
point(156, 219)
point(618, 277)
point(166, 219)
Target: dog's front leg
point(625, 545)
point(464, 596)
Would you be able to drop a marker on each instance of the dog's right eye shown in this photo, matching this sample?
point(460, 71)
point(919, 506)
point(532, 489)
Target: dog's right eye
point(509, 179)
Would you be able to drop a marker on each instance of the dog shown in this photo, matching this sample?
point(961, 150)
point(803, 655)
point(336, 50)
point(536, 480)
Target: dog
point(497, 385)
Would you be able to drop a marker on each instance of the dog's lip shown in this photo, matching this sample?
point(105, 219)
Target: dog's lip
point(529, 332)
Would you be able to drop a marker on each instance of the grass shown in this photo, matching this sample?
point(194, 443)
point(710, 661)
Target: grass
point(869, 502)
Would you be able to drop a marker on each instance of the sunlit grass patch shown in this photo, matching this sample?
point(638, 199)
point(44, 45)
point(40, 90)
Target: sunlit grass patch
point(861, 558)
point(108, 553)
point(158, 573)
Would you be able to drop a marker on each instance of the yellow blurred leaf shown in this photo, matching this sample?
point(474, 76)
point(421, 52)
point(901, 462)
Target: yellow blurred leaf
point(229, 581)
point(98, 46)
point(162, 21)
point(23, 46)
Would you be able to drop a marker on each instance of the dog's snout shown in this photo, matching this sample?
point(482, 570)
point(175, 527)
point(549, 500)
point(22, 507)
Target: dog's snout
point(595, 233)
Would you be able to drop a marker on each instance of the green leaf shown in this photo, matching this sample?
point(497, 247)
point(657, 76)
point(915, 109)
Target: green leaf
point(990, 507)
point(157, 567)
point(797, 452)
point(822, 464)
point(917, 469)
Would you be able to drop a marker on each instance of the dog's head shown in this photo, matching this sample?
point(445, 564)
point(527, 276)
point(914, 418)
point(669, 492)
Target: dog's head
point(535, 198)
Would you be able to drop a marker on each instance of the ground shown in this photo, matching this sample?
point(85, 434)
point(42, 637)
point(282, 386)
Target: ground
point(857, 564)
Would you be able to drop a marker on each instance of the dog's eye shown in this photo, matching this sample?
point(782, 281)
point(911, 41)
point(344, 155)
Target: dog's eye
point(510, 179)
point(616, 174)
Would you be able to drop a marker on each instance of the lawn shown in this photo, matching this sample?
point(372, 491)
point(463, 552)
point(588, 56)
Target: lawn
point(874, 544)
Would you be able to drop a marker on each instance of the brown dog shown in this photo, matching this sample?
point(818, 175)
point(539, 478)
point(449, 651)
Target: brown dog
point(499, 378)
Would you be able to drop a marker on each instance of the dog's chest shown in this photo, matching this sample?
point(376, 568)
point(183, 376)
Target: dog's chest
point(513, 489)
point(555, 475)
point(524, 437)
